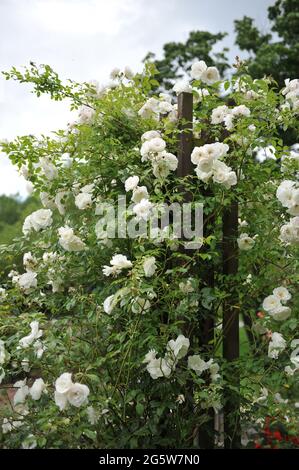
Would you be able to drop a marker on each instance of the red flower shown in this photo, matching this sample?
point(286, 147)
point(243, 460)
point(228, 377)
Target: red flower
point(277, 435)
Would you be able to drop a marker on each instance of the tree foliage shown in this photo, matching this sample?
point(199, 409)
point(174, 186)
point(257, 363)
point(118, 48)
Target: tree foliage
point(178, 56)
point(274, 54)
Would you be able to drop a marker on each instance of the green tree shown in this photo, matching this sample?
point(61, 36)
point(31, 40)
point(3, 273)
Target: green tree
point(13, 211)
point(178, 56)
point(274, 54)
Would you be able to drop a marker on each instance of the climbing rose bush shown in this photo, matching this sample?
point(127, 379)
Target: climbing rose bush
point(101, 337)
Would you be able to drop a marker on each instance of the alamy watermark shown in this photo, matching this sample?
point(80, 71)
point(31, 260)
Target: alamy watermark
point(157, 222)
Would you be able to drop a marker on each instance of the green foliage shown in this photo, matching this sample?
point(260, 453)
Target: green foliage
point(13, 211)
point(272, 55)
point(178, 56)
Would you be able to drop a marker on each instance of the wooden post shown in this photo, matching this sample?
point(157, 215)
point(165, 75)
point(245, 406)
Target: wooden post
point(185, 143)
point(206, 322)
point(185, 167)
point(232, 433)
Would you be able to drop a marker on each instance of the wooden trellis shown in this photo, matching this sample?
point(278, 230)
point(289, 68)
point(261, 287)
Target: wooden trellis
point(230, 310)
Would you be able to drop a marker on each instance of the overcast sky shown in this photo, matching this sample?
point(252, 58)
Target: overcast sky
point(84, 40)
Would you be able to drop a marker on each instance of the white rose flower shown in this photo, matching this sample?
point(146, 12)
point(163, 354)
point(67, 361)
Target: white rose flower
point(66, 160)
point(231, 180)
point(197, 154)
point(197, 69)
point(219, 113)
point(37, 221)
point(197, 364)
point(145, 151)
point(150, 135)
point(173, 115)
point(245, 242)
point(241, 110)
point(178, 348)
point(182, 86)
point(284, 193)
point(21, 393)
point(49, 257)
point(149, 266)
point(25, 364)
point(150, 109)
point(276, 345)
point(3, 354)
point(6, 425)
point(83, 200)
point(39, 349)
point(77, 395)
point(203, 176)
point(86, 114)
point(280, 313)
point(61, 400)
point(30, 442)
point(170, 159)
point(24, 171)
point(211, 151)
point(180, 399)
point(165, 97)
point(92, 415)
point(118, 262)
point(139, 193)
point(129, 74)
point(150, 356)
point(164, 107)
point(271, 303)
point(289, 233)
point(131, 183)
point(121, 262)
point(158, 368)
point(37, 389)
point(88, 188)
point(47, 200)
point(229, 121)
point(64, 383)
point(165, 163)
point(282, 293)
point(108, 304)
point(186, 286)
point(242, 223)
point(264, 395)
point(29, 261)
point(69, 241)
point(140, 305)
point(220, 172)
point(110, 270)
point(27, 281)
point(68, 392)
point(114, 73)
point(210, 76)
point(3, 293)
point(214, 369)
point(50, 170)
point(59, 200)
point(156, 145)
point(143, 209)
point(35, 334)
